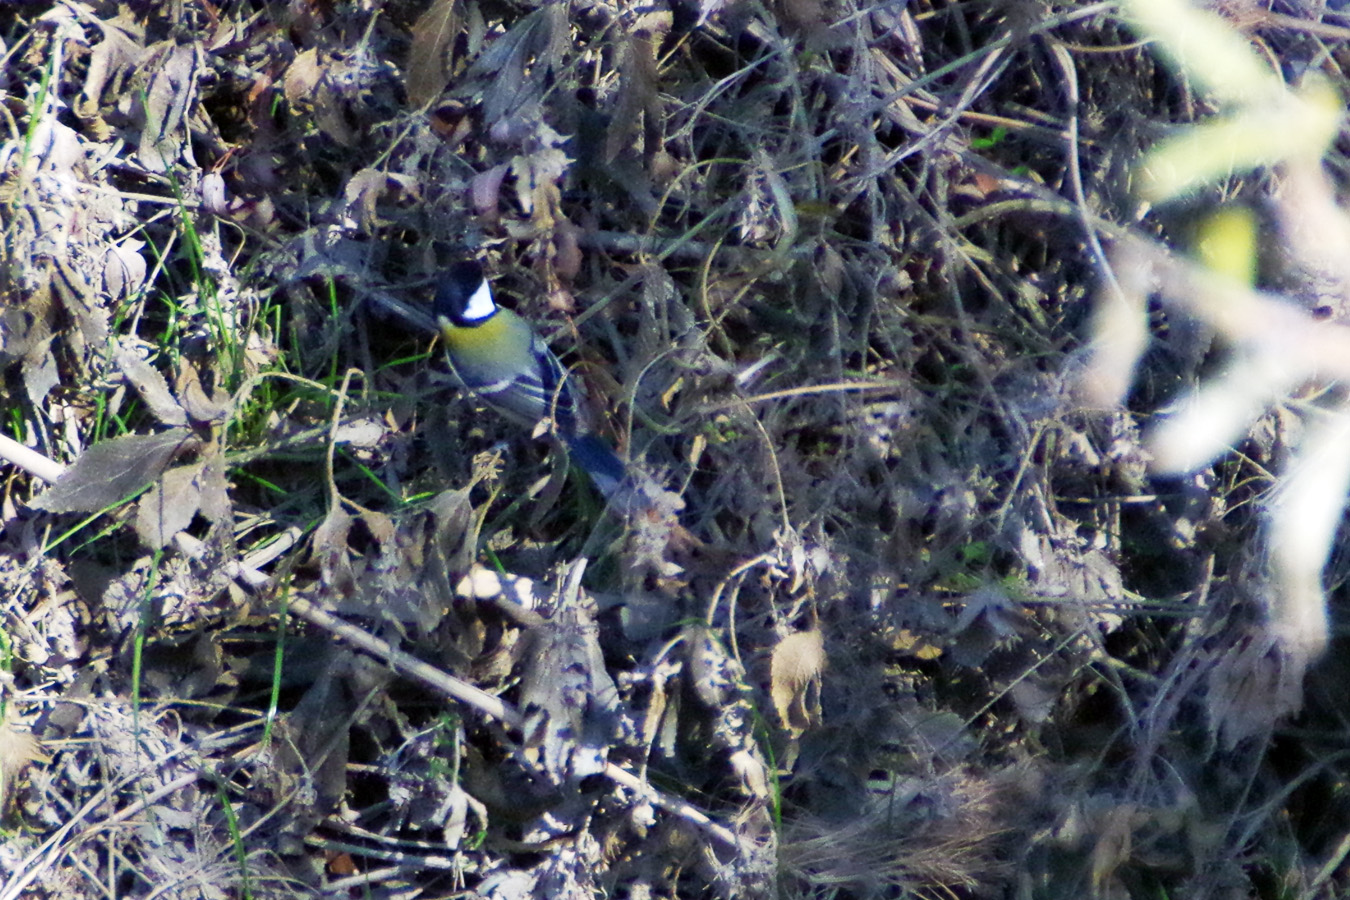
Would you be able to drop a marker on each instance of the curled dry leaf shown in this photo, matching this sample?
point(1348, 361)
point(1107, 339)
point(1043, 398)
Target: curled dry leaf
point(124, 269)
point(152, 387)
point(215, 195)
point(753, 775)
point(366, 431)
point(330, 548)
point(17, 750)
point(794, 675)
point(208, 408)
point(768, 214)
point(175, 71)
point(368, 187)
point(486, 189)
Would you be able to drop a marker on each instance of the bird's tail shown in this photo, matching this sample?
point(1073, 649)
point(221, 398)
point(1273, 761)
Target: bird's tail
point(599, 460)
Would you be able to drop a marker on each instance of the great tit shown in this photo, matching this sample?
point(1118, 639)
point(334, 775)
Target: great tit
point(499, 357)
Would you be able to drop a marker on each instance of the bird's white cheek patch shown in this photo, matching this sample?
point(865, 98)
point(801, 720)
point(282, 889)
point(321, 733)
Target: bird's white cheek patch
point(480, 305)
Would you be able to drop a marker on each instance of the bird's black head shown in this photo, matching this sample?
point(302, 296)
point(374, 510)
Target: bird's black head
point(463, 295)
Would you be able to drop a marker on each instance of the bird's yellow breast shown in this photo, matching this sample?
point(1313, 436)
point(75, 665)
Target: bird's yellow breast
point(502, 335)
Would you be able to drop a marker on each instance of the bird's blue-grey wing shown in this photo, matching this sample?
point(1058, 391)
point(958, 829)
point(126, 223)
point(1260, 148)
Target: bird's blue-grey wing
point(540, 391)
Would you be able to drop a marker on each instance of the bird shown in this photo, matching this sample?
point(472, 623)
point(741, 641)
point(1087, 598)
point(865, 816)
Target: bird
point(499, 357)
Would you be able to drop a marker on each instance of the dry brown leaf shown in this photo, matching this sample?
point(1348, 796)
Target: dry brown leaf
point(429, 57)
point(486, 189)
point(109, 472)
point(380, 526)
point(537, 183)
point(456, 534)
point(22, 327)
point(518, 67)
point(753, 774)
point(365, 432)
point(567, 257)
point(152, 387)
point(302, 76)
point(124, 269)
point(330, 548)
point(175, 72)
point(109, 62)
point(17, 750)
point(363, 193)
point(79, 299)
point(794, 676)
point(714, 675)
point(215, 500)
point(313, 746)
point(310, 84)
point(768, 215)
point(1113, 845)
point(212, 408)
point(637, 96)
point(1250, 686)
point(368, 187)
point(208, 671)
point(169, 506)
point(40, 372)
point(569, 699)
